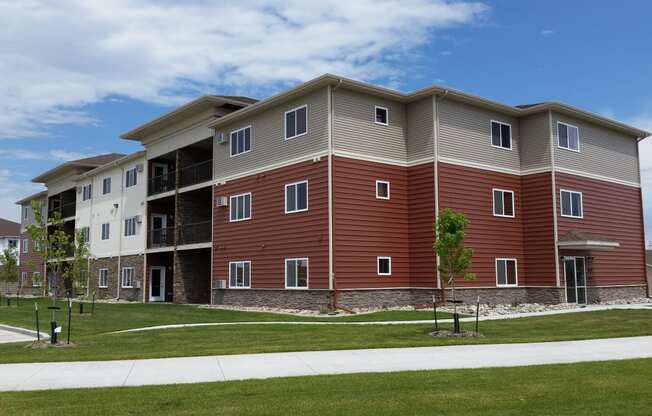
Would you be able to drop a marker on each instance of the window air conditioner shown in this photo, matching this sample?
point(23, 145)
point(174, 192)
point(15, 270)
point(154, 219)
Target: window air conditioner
point(222, 201)
point(221, 284)
point(220, 137)
point(139, 167)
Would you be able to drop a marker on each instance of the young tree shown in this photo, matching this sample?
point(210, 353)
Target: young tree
point(78, 270)
point(9, 268)
point(454, 258)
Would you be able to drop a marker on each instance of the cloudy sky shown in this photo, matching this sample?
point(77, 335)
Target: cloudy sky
point(76, 74)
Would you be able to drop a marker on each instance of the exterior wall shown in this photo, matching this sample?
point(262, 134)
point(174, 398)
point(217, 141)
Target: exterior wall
point(30, 262)
point(611, 211)
point(189, 131)
point(166, 260)
point(115, 266)
point(420, 130)
point(421, 216)
point(192, 277)
point(268, 144)
point(275, 298)
point(602, 152)
point(535, 141)
point(270, 235)
point(138, 263)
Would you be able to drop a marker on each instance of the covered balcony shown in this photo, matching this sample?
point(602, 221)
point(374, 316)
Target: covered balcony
point(65, 203)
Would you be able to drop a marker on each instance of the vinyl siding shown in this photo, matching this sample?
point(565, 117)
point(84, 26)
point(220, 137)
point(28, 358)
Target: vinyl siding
point(602, 152)
point(420, 130)
point(268, 144)
point(465, 134)
point(535, 141)
point(421, 216)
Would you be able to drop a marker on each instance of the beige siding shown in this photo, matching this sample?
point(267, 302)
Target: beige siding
point(355, 130)
point(420, 130)
point(535, 141)
point(602, 151)
point(181, 134)
point(268, 144)
point(465, 134)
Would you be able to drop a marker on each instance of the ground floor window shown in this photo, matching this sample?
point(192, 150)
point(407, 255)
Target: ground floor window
point(296, 273)
point(103, 278)
point(240, 274)
point(506, 274)
point(23, 278)
point(36, 279)
point(127, 277)
point(384, 266)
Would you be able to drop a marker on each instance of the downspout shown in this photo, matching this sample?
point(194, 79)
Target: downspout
point(554, 202)
point(122, 192)
point(640, 194)
point(435, 148)
point(90, 227)
point(331, 274)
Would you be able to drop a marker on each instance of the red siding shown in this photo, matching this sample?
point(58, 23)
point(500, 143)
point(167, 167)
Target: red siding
point(271, 235)
point(421, 192)
point(30, 262)
point(612, 211)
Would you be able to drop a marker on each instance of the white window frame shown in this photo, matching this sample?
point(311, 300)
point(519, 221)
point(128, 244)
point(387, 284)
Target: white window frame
point(506, 259)
point(122, 277)
point(108, 231)
point(106, 278)
point(86, 231)
point(378, 259)
point(378, 107)
point(568, 126)
point(23, 277)
point(511, 135)
point(493, 208)
point(25, 213)
point(378, 181)
point(296, 196)
point(285, 122)
point(87, 192)
point(24, 246)
point(561, 204)
point(133, 221)
point(229, 273)
point(135, 177)
point(106, 181)
point(36, 282)
point(296, 271)
point(236, 133)
point(232, 206)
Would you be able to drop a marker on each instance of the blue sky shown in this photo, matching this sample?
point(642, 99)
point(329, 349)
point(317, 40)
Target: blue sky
point(76, 75)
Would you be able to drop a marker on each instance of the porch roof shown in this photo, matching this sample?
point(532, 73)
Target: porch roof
point(580, 240)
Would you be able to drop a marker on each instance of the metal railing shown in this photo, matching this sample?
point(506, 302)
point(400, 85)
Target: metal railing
point(161, 237)
point(162, 183)
point(66, 210)
point(199, 232)
point(197, 173)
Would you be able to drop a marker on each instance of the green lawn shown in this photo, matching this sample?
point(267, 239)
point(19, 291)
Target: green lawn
point(600, 388)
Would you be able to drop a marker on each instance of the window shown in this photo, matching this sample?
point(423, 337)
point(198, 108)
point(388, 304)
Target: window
point(106, 231)
point(241, 141)
point(568, 136)
point(106, 186)
point(36, 279)
point(87, 192)
point(296, 122)
point(25, 246)
point(86, 234)
point(240, 274)
point(506, 274)
point(384, 266)
point(296, 273)
point(131, 177)
point(103, 278)
point(503, 203)
point(25, 213)
point(382, 189)
point(35, 246)
point(381, 115)
point(501, 135)
point(13, 244)
point(127, 280)
point(240, 206)
point(23, 278)
point(130, 227)
point(571, 204)
point(296, 197)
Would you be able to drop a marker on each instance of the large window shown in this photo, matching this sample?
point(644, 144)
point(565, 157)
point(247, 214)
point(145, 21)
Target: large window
point(506, 274)
point(382, 189)
point(381, 115)
point(568, 136)
point(87, 192)
point(241, 141)
point(296, 197)
point(296, 273)
point(127, 280)
point(571, 204)
point(103, 278)
point(130, 227)
point(106, 186)
point(131, 177)
point(240, 207)
point(106, 231)
point(296, 122)
point(240, 274)
point(384, 266)
point(503, 203)
point(501, 135)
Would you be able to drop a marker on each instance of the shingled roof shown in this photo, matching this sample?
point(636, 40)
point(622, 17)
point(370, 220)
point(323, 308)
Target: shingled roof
point(9, 228)
point(88, 162)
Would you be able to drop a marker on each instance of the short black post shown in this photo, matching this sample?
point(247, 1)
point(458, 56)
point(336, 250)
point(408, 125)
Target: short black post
point(81, 308)
point(456, 323)
point(69, 317)
point(434, 308)
point(8, 301)
point(53, 333)
point(38, 329)
point(477, 314)
point(93, 307)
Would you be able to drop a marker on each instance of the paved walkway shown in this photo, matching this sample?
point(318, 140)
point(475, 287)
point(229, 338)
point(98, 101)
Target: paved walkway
point(258, 366)
point(13, 334)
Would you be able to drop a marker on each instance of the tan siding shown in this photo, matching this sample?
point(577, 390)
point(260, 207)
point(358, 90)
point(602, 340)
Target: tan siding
point(465, 134)
point(419, 130)
point(268, 144)
point(602, 151)
point(355, 131)
point(535, 141)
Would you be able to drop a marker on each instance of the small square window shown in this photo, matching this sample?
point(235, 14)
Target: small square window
point(296, 122)
point(384, 266)
point(568, 136)
point(501, 135)
point(571, 204)
point(381, 115)
point(503, 203)
point(506, 272)
point(240, 274)
point(240, 207)
point(296, 273)
point(296, 197)
point(382, 189)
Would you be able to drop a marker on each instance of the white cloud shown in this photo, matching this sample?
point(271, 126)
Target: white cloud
point(55, 154)
point(14, 187)
point(547, 32)
point(57, 57)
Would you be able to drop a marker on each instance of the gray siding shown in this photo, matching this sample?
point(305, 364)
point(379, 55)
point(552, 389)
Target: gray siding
point(465, 134)
point(420, 130)
point(535, 141)
point(602, 151)
point(268, 144)
point(355, 131)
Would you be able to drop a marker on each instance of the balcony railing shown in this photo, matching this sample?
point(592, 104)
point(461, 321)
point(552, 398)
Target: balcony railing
point(199, 232)
point(197, 173)
point(162, 183)
point(161, 237)
point(66, 210)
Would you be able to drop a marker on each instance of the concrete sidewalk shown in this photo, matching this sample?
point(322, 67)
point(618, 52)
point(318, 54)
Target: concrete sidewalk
point(38, 376)
point(10, 334)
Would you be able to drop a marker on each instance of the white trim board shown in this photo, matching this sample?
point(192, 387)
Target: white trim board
point(267, 168)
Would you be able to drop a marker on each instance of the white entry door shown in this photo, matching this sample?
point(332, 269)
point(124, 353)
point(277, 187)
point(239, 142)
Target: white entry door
point(157, 284)
point(575, 274)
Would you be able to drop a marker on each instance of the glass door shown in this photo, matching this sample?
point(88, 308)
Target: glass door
point(157, 284)
point(575, 275)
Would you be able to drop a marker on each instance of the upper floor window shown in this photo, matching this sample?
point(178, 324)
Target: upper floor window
point(296, 197)
point(241, 141)
point(296, 273)
point(87, 192)
point(106, 186)
point(382, 189)
point(127, 280)
point(296, 122)
point(130, 227)
point(501, 135)
point(506, 273)
point(381, 115)
point(25, 213)
point(106, 231)
point(568, 136)
point(571, 204)
point(131, 177)
point(86, 234)
point(240, 274)
point(384, 266)
point(503, 203)
point(240, 207)
point(25, 246)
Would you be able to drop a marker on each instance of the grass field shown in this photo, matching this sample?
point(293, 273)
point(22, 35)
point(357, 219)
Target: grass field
point(600, 388)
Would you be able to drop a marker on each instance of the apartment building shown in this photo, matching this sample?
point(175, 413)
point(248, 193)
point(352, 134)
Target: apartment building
point(30, 267)
point(9, 239)
point(325, 195)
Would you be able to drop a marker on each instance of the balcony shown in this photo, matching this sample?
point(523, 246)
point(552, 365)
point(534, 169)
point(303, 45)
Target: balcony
point(162, 237)
point(162, 183)
point(66, 210)
point(199, 232)
point(197, 173)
